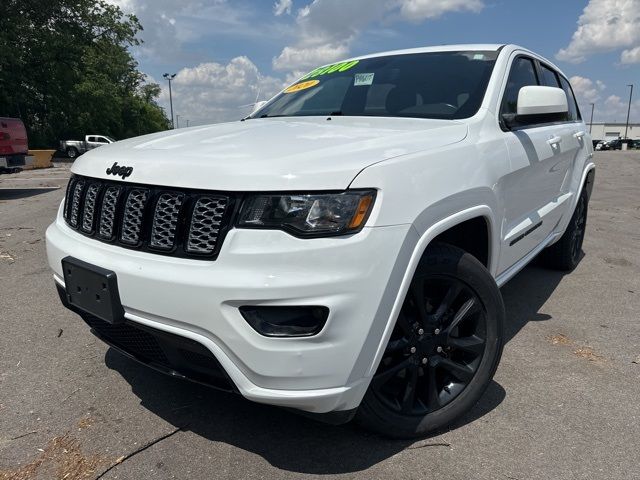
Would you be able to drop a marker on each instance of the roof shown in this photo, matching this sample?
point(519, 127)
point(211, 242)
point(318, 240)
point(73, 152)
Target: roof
point(437, 48)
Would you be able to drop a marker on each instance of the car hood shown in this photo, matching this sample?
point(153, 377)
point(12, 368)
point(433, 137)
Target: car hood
point(310, 153)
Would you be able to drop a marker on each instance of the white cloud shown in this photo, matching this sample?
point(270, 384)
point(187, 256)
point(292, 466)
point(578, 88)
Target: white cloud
point(604, 26)
point(608, 107)
point(416, 10)
point(615, 109)
point(212, 92)
point(282, 6)
point(306, 57)
point(631, 56)
point(169, 24)
point(327, 28)
point(586, 90)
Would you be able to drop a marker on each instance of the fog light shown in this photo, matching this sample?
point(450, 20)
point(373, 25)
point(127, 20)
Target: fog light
point(280, 321)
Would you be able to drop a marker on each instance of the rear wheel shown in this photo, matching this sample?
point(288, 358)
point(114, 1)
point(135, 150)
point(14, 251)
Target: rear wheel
point(565, 253)
point(72, 152)
point(443, 351)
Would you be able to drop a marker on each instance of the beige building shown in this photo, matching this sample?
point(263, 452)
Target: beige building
point(608, 131)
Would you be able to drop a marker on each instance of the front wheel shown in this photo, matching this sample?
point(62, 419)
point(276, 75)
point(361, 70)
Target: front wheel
point(443, 351)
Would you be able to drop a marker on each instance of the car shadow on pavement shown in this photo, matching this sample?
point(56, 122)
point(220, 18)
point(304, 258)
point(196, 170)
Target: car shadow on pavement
point(526, 293)
point(18, 193)
point(298, 444)
point(287, 441)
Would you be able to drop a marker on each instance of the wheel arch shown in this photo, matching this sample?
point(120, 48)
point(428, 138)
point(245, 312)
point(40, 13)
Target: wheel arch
point(415, 248)
point(587, 179)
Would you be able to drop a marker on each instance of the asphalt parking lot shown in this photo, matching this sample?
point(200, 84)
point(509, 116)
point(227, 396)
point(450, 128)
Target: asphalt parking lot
point(564, 403)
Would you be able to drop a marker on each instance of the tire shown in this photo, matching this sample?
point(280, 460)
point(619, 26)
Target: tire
point(565, 254)
point(72, 152)
point(453, 317)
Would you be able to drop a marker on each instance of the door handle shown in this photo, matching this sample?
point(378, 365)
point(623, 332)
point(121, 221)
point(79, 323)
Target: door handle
point(579, 135)
point(554, 140)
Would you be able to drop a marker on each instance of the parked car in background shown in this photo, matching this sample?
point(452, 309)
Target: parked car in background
point(634, 144)
point(615, 144)
point(73, 148)
point(595, 143)
point(14, 146)
point(341, 250)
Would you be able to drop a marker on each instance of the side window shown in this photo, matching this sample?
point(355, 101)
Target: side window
point(549, 77)
point(91, 139)
point(522, 73)
point(574, 112)
point(101, 140)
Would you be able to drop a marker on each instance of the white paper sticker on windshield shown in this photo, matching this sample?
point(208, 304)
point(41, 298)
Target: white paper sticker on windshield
point(363, 79)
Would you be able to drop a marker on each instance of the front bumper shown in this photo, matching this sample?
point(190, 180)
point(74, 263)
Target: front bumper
point(199, 300)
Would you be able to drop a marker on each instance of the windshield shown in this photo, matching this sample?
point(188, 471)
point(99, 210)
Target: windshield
point(447, 85)
point(110, 139)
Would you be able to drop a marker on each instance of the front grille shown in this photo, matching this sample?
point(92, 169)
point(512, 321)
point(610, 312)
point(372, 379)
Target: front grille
point(108, 212)
point(133, 216)
point(177, 222)
point(165, 222)
point(90, 206)
point(205, 224)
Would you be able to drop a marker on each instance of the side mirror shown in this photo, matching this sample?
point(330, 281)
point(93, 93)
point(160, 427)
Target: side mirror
point(537, 104)
point(258, 105)
point(536, 100)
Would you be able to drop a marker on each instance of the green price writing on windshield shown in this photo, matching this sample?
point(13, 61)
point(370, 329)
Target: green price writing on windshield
point(336, 67)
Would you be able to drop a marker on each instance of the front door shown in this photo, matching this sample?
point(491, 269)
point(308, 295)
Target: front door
point(541, 158)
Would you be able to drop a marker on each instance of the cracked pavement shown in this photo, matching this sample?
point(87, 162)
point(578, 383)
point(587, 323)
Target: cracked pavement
point(563, 405)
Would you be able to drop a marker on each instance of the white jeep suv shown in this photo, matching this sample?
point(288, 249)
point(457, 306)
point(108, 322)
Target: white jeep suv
point(340, 250)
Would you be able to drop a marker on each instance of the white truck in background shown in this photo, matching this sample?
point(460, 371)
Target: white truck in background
point(74, 148)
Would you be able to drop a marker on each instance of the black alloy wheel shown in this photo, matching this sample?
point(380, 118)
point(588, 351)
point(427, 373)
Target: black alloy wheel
point(579, 221)
point(444, 348)
point(435, 349)
point(566, 253)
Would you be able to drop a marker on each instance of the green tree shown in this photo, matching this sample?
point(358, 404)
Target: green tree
point(66, 70)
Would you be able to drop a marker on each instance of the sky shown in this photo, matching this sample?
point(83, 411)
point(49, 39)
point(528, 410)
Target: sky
point(227, 53)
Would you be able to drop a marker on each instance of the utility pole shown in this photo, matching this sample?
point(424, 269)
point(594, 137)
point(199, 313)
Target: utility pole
point(170, 77)
point(187, 122)
point(177, 121)
point(628, 111)
point(593, 105)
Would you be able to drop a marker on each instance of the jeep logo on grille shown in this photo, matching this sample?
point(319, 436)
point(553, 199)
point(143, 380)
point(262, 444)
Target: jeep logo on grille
point(119, 170)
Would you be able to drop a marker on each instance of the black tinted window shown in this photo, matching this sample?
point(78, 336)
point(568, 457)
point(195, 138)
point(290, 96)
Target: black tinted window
point(549, 77)
point(522, 73)
point(574, 113)
point(447, 85)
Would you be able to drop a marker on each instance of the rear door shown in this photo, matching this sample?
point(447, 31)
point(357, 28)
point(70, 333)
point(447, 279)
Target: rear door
point(541, 155)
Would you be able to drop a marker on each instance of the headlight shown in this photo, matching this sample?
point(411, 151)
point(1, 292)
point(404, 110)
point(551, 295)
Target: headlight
point(321, 214)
